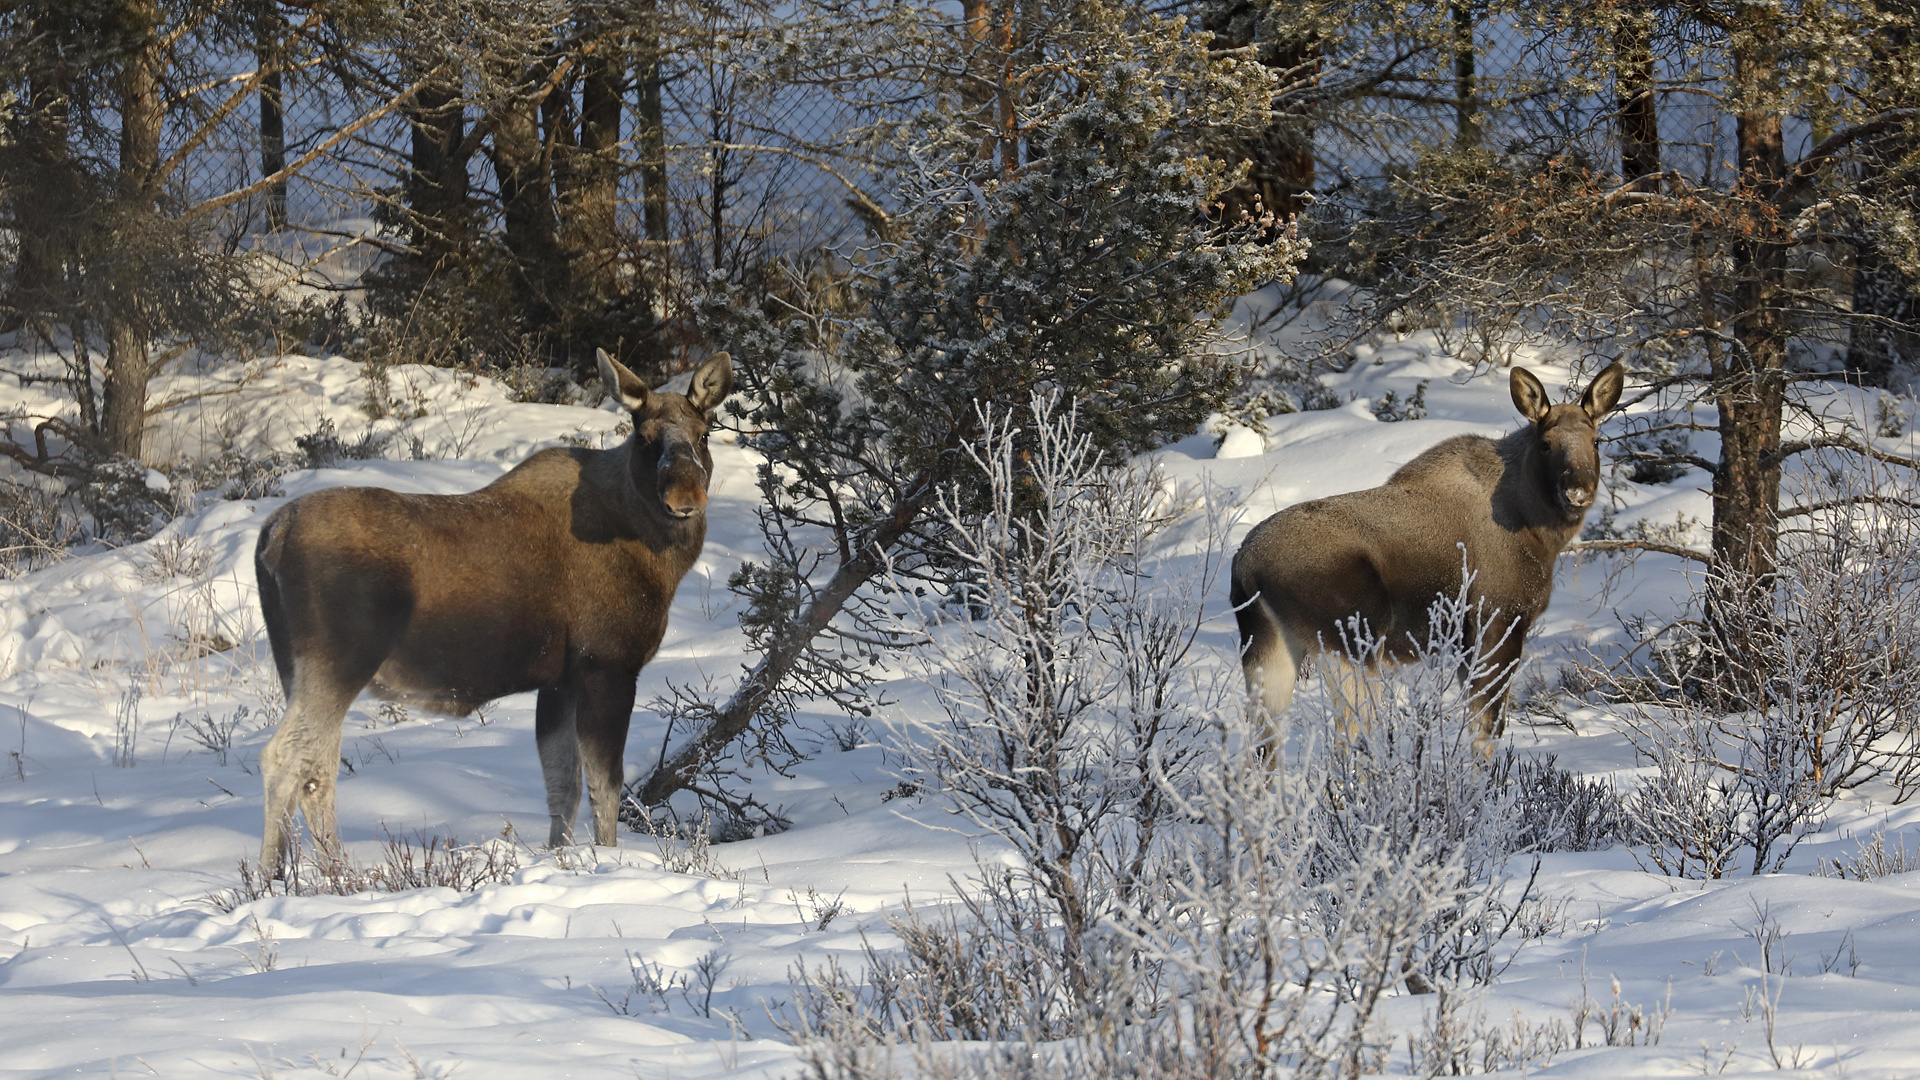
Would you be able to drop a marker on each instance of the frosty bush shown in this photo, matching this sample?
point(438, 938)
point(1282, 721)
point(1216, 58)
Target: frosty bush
point(418, 862)
point(322, 448)
point(127, 500)
point(37, 523)
point(1176, 905)
point(1554, 810)
point(1070, 679)
point(1809, 686)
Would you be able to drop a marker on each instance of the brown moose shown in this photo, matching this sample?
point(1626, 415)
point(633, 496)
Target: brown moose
point(1386, 554)
point(555, 578)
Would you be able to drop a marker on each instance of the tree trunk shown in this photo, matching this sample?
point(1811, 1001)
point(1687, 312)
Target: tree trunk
point(436, 190)
point(867, 560)
point(273, 120)
point(1638, 118)
point(650, 354)
point(43, 217)
point(124, 409)
point(594, 197)
point(1749, 385)
point(522, 170)
point(1885, 331)
point(985, 94)
point(651, 133)
point(1466, 108)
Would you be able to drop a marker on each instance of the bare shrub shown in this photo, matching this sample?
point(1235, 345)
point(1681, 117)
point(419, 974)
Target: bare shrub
point(1554, 810)
point(686, 847)
point(126, 727)
point(37, 524)
point(1872, 860)
point(1069, 674)
point(1793, 689)
point(211, 732)
point(419, 862)
point(1177, 905)
point(1456, 1039)
point(323, 448)
point(1404, 776)
point(234, 474)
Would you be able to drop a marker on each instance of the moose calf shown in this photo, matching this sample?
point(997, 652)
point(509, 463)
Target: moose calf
point(555, 578)
point(1384, 555)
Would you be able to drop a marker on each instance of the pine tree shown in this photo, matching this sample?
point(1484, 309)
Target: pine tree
point(1050, 234)
point(1711, 265)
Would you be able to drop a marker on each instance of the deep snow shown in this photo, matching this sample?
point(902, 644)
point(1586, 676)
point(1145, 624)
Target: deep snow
point(113, 962)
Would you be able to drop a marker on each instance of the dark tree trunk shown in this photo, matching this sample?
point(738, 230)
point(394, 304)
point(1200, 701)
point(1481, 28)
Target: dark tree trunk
point(1466, 108)
point(650, 131)
point(436, 192)
point(523, 172)
point(43, 216)
point(1639, 119)
point(650, 353)
point(273, 119)
point(124, 408)
point(595, 197)
point(1750, 384)
point(1885, 332)
point(1280, 161)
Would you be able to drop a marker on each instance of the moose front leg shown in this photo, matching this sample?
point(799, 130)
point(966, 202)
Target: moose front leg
point(555, 736)
point(1489, 681)
point(605, 710)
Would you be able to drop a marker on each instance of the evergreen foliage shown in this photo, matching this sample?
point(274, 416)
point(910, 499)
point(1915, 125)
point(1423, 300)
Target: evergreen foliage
point(1052, 236)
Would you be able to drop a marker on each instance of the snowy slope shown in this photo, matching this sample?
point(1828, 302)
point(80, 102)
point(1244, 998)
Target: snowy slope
point(114, 962)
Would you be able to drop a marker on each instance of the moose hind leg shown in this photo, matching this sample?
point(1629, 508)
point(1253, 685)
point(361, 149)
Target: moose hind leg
point(605, 710)
point(1269, 657)
point(555, 736)
point(300, 766)
point(1353, 689)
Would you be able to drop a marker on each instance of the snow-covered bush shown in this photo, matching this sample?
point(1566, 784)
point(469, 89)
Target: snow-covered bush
point(421, 861)
point(1161, 901)
point(1805, 686)
point(127, 500)
point(37, 522)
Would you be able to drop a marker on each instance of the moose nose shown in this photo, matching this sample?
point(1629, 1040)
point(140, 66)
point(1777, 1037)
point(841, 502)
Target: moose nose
point(681, 497)
point(1579, 498)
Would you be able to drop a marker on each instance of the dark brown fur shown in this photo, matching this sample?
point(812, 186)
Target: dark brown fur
point(556, 578)
point(1387, 553)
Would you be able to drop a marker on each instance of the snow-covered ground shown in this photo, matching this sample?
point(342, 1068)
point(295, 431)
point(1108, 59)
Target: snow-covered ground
point(118, 828)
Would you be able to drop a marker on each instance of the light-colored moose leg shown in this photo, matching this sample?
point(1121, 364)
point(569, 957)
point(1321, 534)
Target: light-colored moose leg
point(300, 769)
point(1270, 660)
point(558, 741)
point(1489, 684)
point(1353, 690)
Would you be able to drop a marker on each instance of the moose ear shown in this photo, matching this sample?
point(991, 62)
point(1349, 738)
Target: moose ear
point(1604, 393)
point(711, 383)
point(1528, 395)
point(628, 388)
